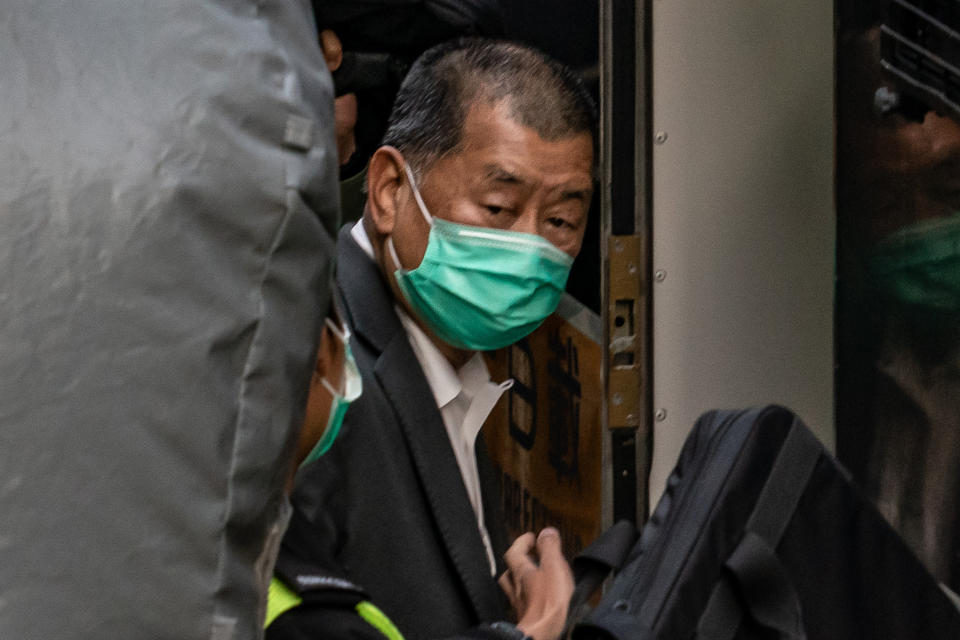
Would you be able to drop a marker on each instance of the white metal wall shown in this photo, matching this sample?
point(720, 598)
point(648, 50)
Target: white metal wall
point(743, 213)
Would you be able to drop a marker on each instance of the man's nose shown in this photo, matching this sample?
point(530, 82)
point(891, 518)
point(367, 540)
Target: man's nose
point(527, 221)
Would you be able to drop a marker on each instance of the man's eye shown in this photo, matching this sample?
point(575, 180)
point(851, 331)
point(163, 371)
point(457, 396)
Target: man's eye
point(494, 209)
point(559, 222)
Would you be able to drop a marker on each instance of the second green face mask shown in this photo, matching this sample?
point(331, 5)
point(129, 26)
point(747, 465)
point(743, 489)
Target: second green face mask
point(920, 265)
point(352, 388)
point(479, 288)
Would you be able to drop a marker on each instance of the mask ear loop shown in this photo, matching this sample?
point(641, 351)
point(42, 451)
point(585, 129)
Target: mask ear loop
point(329, 387)
point(420, 205)
point(393, 254)
point(342, 334)
point(344, 337)
point(417, 196)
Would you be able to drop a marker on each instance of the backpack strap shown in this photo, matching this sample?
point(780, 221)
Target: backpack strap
point(753, 567)
point(593, 564)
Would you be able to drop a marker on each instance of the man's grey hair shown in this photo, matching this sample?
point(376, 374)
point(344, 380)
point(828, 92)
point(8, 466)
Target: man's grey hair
point(540, 93)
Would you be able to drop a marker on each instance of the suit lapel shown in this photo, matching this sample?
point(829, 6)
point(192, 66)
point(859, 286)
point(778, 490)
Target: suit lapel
point(367, 299)
point(372, 318)
point(490, 489)
point(437, 467)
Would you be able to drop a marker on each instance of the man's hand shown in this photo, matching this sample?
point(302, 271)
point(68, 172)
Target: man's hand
point(539, 583)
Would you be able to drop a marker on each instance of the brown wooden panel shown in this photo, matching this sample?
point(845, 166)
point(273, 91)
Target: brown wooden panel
point(545, 434)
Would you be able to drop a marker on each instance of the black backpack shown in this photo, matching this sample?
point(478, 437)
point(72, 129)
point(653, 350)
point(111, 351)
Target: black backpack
point(760, 534)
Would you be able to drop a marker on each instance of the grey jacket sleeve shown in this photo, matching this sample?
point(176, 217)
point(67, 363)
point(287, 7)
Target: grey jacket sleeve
point(168, 191)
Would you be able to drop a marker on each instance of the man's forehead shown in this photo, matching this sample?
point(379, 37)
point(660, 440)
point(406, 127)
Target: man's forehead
point(486, 119)
point(511, 174)
point(496, 148)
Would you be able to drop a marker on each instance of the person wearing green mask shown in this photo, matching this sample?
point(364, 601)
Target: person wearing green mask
point(898, 335)
point(334, 385)
point(477, 205)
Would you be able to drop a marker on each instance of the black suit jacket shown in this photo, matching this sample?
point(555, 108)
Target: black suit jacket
point(386, 506)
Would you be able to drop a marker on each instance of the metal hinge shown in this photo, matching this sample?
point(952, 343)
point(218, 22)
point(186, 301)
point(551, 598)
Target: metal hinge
point(627, 330)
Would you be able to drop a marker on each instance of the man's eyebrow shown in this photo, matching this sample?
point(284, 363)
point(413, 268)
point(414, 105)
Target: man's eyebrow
point(496, 173)
point(576, 194)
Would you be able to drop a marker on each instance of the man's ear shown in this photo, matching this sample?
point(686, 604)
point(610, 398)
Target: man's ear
point(332, 49)
point(384, 177)
point(322, 364)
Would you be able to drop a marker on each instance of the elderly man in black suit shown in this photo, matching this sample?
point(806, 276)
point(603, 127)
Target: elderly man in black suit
point(477, 205)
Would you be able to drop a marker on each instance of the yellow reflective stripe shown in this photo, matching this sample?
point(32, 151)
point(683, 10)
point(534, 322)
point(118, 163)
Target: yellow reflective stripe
point(379, 620)
point(280, 599)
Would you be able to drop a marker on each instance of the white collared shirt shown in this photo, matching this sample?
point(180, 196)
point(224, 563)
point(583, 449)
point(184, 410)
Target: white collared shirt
point(465, 398)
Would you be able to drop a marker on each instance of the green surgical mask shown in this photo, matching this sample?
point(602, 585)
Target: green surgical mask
point(352, 388)
point(479, 288)
point(920, 265)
